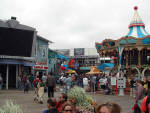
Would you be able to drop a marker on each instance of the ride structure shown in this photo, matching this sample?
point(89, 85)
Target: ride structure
point(130, 52)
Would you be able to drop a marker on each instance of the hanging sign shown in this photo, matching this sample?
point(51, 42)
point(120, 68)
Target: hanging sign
point(113, 81)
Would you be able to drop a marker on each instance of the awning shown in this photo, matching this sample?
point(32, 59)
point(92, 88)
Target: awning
point(94, 71)
point(15, 61)
point(105, 65)
point(59, 56)
point(28, 63)
point(85, 68)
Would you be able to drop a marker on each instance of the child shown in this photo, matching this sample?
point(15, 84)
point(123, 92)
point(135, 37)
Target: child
point(35, 84)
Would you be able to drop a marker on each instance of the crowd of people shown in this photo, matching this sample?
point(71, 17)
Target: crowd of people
point(142, 94)
point(63, 105)
point(47, 83)
point(89, 83)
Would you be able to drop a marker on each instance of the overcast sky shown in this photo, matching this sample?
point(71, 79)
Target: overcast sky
point(76, 23)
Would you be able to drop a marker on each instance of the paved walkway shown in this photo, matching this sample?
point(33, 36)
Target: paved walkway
point(28, 105)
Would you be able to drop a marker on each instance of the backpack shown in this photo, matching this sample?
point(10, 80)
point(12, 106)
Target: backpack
point(36, 83)
point(147, 102)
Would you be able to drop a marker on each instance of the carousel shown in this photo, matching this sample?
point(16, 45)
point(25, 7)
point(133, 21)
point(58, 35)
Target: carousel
point(130, 52)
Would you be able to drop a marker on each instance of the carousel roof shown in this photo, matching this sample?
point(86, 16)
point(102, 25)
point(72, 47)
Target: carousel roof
point(137, 27)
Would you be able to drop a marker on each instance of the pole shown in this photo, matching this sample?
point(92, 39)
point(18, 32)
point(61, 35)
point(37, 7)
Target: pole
point(120, 50)
point(16, 76)
point(7, 73)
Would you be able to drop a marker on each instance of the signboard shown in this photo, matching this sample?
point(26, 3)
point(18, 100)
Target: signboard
point(113, 81)
point(41, 67)
point(65, 52)
point(78, 51)
point(121, 82)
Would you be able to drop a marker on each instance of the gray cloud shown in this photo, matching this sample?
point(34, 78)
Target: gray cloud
point(76, 23)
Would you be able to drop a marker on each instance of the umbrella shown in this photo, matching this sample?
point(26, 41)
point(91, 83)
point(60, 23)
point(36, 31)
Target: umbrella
point(94, 71)
point(105, 66)
point(71, 72)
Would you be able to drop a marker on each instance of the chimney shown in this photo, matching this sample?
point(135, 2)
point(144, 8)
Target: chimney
point(13, 18)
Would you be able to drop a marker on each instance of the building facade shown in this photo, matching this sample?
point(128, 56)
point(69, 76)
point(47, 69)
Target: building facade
point(17, 45)
point(84, 58)
point(52, 61)
point(41, 56)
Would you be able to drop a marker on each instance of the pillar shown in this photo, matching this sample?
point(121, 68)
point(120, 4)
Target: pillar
point(127, 59)
point(17, 71)
point(139, 58)
point(7, 76)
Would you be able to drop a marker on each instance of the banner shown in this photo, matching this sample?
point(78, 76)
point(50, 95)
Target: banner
point(78, 51)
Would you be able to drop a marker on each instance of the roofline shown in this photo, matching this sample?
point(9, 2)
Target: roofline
point(52, 50)
point(44, 39)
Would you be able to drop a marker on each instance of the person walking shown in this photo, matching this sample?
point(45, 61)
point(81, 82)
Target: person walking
point(26, 86)
point(145, 105)
point(31, 79)
point(68, 83)
point(140, 93)
point(40, 86)
point(94, 83)
point(85, 82)
point(51, 84)
point(1, 81)
point(19, 83)
point(132, 82)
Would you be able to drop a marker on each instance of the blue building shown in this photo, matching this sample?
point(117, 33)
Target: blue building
point(41, 56)
point(52, 63)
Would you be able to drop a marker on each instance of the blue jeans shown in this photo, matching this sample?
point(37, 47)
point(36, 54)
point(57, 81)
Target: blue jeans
point(67, 88)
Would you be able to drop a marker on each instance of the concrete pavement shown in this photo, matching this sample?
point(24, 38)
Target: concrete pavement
point(28, 105)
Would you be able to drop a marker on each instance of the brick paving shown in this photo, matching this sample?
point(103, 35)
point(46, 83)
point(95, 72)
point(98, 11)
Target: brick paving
point(28, 105)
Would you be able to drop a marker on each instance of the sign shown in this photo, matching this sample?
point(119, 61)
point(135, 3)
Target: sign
point(40, 63)
point(121, 82)
point(65, 52)
point(41, 67)
point(113, 81)
point(78, 51)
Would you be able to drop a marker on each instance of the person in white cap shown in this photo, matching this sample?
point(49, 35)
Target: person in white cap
point(85, 82)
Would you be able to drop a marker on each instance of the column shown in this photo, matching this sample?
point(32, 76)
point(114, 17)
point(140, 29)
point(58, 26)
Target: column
point(139, 57)
point(127, 59)
point(17, 76)
point(7, 76)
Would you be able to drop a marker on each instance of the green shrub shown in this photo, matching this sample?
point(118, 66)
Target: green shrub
point(81, 99)
point(10, 107)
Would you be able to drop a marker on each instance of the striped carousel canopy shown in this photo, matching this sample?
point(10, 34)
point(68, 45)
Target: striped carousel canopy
point(137, 27)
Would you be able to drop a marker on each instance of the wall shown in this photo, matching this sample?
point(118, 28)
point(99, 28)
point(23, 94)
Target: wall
point(52, 60)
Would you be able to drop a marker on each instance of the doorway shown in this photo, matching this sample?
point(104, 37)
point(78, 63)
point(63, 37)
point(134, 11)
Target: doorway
point(12, 76)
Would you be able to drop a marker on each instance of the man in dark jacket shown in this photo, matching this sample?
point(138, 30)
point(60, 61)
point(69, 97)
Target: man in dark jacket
point(51, 104)
point(51, 84)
